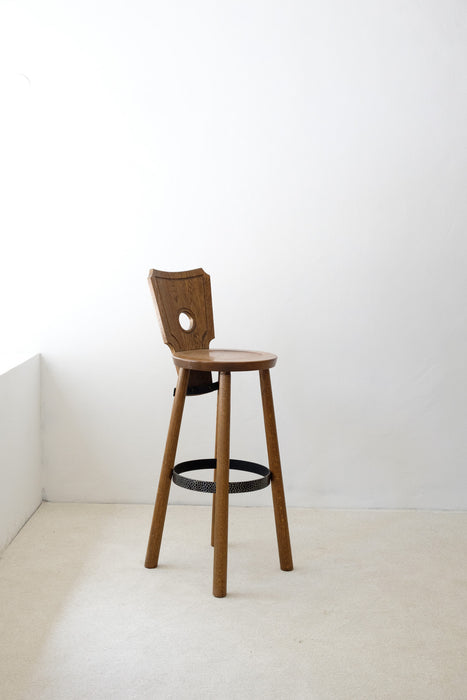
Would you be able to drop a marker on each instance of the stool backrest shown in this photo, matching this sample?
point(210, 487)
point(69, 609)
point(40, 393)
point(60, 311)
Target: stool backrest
point(184, 308)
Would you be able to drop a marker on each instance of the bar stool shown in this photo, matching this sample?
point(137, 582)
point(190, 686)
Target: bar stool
point(184, 307)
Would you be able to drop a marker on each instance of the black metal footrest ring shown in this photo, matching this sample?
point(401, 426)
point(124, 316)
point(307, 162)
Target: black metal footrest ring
point(210, 486)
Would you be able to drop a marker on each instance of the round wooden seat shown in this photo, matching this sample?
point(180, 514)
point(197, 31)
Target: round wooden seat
point(224, 360)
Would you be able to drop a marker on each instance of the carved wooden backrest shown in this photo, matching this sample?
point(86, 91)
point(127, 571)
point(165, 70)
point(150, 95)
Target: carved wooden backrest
point(184, 307)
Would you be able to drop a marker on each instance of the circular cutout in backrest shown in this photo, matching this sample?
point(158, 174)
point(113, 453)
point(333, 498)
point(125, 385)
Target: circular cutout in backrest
point(186, 321)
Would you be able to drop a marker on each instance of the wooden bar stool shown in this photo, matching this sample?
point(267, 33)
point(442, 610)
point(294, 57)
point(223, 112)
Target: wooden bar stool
point(184, 307)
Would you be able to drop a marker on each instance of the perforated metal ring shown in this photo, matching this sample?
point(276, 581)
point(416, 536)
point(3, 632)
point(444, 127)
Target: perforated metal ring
point(210, 486)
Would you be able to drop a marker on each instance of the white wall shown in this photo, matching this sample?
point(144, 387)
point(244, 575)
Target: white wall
point(20, 449)
point(311, 157)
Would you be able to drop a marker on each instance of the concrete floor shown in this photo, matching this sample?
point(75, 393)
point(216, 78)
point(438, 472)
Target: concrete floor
point(375, 608)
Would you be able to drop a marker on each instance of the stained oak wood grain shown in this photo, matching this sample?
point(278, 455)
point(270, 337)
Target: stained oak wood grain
point(222, 487)
point(277, 485)
point(188, 293)
point(184, 309)
point(224, 360)
point(179, 297)
point(160, 508)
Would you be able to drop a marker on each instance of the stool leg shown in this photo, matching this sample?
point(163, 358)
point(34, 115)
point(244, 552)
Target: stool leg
point(222, 487)
point(160, 508)
point(277, 486)
point(213, 520)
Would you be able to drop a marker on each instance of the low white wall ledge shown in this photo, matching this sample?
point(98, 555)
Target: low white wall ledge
point(20, 447)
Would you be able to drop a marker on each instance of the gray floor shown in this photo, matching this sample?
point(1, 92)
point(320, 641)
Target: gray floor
point(375, 608)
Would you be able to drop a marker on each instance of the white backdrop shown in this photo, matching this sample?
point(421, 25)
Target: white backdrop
point(311, 157)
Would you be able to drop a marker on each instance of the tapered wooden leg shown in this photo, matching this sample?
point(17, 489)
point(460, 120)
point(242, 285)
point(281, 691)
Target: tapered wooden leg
point(160, 508)
point(222, 487)
point(213, 520)
point(277, 486)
